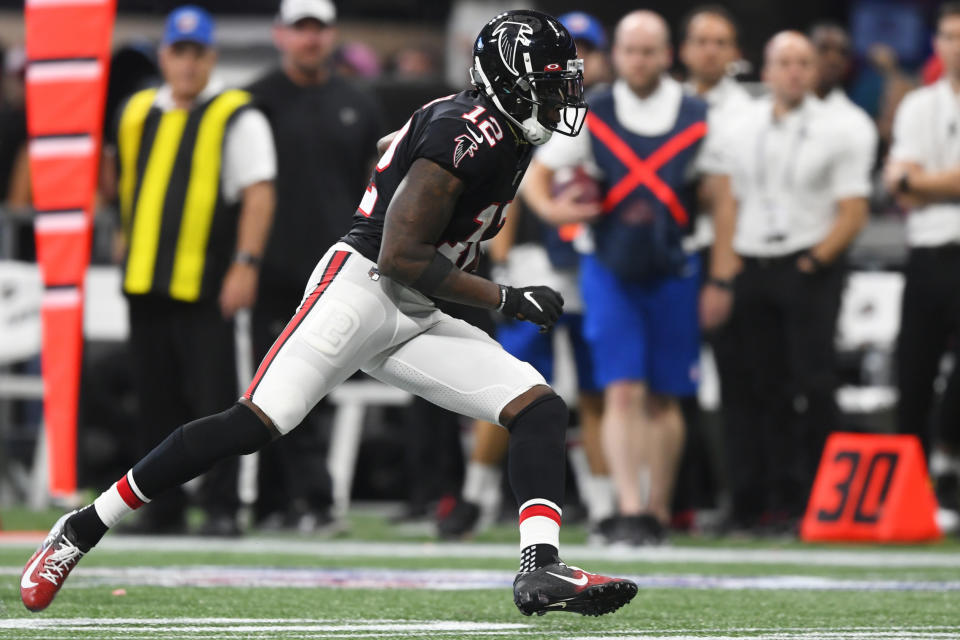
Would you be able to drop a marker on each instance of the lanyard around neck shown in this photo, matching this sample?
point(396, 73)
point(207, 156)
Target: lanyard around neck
point(789, 161)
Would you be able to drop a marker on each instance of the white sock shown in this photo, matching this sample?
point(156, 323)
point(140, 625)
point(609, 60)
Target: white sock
point(539, 523)
point(480, 481)
point(942, 463)
point(122, 498)
point(602, 498)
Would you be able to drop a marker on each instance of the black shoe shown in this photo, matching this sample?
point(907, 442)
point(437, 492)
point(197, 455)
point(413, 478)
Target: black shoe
point(273, 522)
point(557, 587)
point(316, 521)
point(601, 533)
point(638, 531)
point(412, 512)
point(460, 522)
point(222, 525)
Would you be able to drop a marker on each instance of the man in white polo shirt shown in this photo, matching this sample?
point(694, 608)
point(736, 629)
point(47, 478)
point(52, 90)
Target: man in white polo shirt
point(802, 198)
point(833, 65)
point(709, 47)
point(708, 50)
point(923, 170)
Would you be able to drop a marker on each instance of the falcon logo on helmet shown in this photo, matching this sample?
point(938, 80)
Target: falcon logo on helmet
point(509, 35)
point(526, 63)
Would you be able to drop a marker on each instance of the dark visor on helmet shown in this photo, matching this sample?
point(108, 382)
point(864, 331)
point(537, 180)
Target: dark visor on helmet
point(557, 97)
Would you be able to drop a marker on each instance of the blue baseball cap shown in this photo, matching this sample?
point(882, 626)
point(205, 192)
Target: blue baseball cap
point(189, 23)
point(583, 26)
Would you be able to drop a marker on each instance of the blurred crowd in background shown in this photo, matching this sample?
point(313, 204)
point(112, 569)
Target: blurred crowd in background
point(330, 84)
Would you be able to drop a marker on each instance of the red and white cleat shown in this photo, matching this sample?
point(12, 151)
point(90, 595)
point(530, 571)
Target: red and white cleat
point(557, 587)
point(49, 567)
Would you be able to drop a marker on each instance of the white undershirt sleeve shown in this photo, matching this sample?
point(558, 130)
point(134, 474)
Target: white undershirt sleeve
point(850, 171)
point(248, 154)
point(712, 156)
point(909, 133)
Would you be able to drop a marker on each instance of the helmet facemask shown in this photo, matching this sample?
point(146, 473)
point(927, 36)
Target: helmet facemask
point(555, 97)
point(541, 102)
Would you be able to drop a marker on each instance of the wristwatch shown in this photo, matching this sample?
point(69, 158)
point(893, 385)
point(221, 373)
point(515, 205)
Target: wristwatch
point(721, 283)
point(247, 258)
point(903, 184)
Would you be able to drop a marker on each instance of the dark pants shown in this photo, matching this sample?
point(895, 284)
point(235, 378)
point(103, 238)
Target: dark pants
point(779, 383)
point(697, 475)
point(293, 476)
point(433, 454)
point(184, 368)
point(929, 325)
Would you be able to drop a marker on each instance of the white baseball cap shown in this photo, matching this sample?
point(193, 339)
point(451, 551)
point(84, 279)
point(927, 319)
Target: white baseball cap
point(293, 10)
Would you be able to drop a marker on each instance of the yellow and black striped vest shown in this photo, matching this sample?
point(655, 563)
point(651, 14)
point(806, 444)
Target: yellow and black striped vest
point(180, 233)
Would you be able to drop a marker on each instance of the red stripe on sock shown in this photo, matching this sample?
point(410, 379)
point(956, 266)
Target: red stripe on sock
point(333, 267)
point(540, 510)
point(128, 495)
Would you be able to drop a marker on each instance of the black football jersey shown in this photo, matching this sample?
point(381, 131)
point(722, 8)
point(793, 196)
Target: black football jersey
point(466, 135)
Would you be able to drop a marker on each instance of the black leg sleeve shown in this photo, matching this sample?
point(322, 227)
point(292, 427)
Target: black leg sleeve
point(195, 447)
point(536, 457)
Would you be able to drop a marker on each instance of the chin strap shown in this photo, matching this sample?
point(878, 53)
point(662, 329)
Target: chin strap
point(533, 131)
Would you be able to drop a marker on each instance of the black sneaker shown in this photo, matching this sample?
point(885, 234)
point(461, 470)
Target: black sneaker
point(460, 522)
point(557, 587)
point(638, 531)
point(602, 532)
point(220, 525)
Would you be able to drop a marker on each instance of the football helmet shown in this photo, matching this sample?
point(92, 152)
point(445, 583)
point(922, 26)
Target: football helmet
point(526, 63)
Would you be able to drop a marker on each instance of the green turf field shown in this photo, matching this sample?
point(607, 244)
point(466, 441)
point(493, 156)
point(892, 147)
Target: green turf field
point(291, 587)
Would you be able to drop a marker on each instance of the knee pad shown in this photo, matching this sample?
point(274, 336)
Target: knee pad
point(545, 417)
point(236, 431)
point(538, 450)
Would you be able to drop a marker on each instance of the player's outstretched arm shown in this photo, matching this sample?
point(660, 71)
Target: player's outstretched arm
point(418, 213)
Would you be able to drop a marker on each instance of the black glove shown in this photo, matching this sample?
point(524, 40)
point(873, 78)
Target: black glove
point(539, 305)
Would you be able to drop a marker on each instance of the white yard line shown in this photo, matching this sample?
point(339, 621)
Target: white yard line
point(575, 553)
point(225, 628)
point(817, 635)
point(255, 624)
point(450, 579)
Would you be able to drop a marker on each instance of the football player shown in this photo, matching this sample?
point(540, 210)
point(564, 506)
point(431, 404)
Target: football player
point(439, 189)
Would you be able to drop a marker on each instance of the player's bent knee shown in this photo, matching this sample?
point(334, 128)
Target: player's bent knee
point(236, 431)
point(545, 417)
point(264, 418)
point(194, 448)
point(522, 401)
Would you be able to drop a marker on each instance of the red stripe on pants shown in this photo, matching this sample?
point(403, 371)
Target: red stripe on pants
point(334, 266)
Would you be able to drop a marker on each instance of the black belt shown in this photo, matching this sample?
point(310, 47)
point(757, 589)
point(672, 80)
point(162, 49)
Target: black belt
point(768, 262)
point(942, 250)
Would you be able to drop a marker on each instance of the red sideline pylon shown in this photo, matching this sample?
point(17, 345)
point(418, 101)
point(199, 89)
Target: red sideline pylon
point(871, 488)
